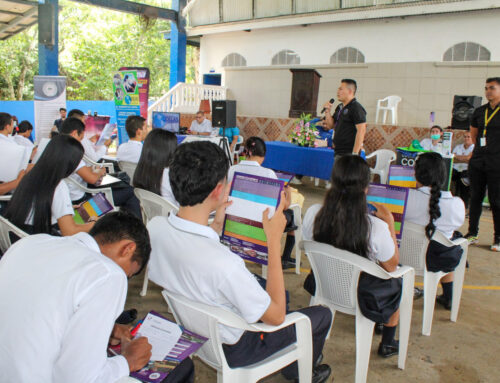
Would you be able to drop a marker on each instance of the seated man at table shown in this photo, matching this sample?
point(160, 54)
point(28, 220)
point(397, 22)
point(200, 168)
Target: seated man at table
point(188, 259)
point(200, 126)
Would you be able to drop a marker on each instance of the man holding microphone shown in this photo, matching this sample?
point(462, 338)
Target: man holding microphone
point(348, 120)
point(484, 166)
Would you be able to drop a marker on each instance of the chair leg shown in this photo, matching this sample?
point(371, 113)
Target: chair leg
point(304, 360)
point(431, 281)
point(384, 117)
point(458, 282)
point(406, 308)
point(377, 113)
point(298, 252)
point(144, 290)
point(364, 335)
point(264, 271)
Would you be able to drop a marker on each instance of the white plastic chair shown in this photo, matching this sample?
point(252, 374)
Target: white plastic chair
point(297, 220)
point(152, 205)
point(391, 105)
point(236, 150)
point(109, 166)
point(204, 320)
point(5, 228)
point(337, 273)
point(383, 159)
point(128, 167)
point(107, 191)
point(412, 252)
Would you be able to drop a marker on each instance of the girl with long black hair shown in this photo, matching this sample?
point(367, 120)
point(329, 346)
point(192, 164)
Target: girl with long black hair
point(344, 222)
point(152, 170)
point(430, 206)
point(22, 133)
point(42, 198)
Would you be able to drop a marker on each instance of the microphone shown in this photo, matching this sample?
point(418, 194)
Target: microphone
point(332, 100)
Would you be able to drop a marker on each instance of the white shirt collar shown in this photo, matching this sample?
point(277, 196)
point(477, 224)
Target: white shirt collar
point(4, 137)
point(192, 227)
point(427, 190)
point(135, 142)
point(249, 163)
point(88, 241)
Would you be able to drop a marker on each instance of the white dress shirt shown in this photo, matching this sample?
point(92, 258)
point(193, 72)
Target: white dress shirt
point(23, 141)
point(95, 153)
point(13, 158)
point(166, 189)
point(130, 151)
point(426, 144)
point(381, 243)
point(204, 127)
point(251, 167)
point(188, 259)
point(75, 192)
point(461, 151)
point(61, 204)
point(452, 210)
point(59, 298)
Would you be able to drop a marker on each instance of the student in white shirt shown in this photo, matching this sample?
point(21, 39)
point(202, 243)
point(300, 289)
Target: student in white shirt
point(22, 133)
point(462, 155)
point(152, 170)
point(42, 199)
point(92, 151)
point(130, 151)
point(343, 221)
point(200, 126)
point(187, 258)
point(436, 210)
point(432, 143)
point(255, 153)
point(68, 293)
point(123, 194)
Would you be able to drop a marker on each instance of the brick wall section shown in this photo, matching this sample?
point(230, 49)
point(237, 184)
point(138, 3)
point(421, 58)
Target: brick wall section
point(377, 136)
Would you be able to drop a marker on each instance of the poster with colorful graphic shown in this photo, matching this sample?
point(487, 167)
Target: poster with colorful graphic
point(126, 96)
point(403, 176)
point(143, 85)
point(243, 231)
point(394, 198)
point(94, 125)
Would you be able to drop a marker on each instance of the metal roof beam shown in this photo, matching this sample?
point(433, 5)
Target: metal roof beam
point(18, 20)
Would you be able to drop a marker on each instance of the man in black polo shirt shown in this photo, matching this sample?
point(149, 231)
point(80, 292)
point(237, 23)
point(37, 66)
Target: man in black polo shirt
point(58, 123)
point(484, 166)
point(348, 120)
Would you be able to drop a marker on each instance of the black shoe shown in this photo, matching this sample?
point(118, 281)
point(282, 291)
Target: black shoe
point(126, 317)
point(387, 350)
point(288, 263)
point(379, 327)
point(321, 374)
point(417, 293)
point(446, 303)
point(319, 360)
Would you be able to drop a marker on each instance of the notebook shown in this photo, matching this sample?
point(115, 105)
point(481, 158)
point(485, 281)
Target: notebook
point(403, 176)
point(96, 206)
point(243, 231)
point(284, 176)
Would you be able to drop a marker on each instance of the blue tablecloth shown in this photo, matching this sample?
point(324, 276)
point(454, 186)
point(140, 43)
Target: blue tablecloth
point(313, 162)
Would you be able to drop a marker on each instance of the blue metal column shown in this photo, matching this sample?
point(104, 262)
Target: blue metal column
point(48, 56)
point(178, 42)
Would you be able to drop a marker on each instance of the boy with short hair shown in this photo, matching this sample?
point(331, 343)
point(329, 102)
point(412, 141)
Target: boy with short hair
point(187, 258)
point(131, 150)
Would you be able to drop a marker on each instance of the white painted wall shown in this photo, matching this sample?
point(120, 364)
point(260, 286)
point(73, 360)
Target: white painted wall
point(410, 39)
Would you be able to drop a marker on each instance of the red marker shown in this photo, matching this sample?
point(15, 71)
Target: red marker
point(134, 331)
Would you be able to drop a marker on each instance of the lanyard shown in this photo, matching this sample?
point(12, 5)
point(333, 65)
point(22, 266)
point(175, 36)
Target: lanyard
point(487, 120)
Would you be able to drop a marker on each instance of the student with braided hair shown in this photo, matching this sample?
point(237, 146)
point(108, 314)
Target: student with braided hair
point(435, 209)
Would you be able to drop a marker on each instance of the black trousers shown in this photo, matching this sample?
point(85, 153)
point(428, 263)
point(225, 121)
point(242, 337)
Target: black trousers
point(484, 172)
point(254, 347)
point(183, 373)
point(461, 190)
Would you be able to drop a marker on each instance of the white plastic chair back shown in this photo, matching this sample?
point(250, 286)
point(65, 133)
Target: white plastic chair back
point(391, 105)
point(128, 167)
point(153, 205)
point(383, 159)
point(392, 101)
point(413, 247)
point(109, 166)
point(107, 190)
point(205, 320)
point(7, 227)
point(337, 273)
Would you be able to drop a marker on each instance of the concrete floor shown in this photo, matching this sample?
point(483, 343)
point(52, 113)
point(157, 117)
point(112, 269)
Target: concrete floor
point(466, 351)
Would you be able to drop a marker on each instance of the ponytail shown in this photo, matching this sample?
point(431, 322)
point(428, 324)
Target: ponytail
point(434, 210)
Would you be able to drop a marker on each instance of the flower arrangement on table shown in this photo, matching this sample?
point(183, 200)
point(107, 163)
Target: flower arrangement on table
point(304, 133)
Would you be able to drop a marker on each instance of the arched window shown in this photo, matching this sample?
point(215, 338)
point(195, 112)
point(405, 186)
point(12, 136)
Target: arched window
point(286, 57)
point(467, 51)
point(347, 55)
point(234, 59)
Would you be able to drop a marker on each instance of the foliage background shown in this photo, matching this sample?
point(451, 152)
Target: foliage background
point(93, 43)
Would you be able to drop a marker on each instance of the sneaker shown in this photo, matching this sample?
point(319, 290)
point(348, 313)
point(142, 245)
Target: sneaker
point(379, 327)
point(417, 293)
point(288, 264)
point(387, 350)
point(472, 239)
point(495, 246)
point(296, 181)
point(321, 373)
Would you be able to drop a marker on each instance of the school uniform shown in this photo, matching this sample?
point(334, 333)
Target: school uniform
point(204, 127)
point(188, 259)
point(129, 151)
point(9, 150)
point(166, 189)
point(23, 141)
point(92, 151)
point(58, 325)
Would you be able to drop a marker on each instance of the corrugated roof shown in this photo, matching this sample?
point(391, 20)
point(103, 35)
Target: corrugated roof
point(16, 16)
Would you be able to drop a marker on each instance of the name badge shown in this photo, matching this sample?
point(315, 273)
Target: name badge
point(482, 141)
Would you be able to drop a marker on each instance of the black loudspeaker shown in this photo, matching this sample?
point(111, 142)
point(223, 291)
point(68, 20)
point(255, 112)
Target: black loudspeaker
point(463, 108)
point(46, 24)
point(224, 113)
